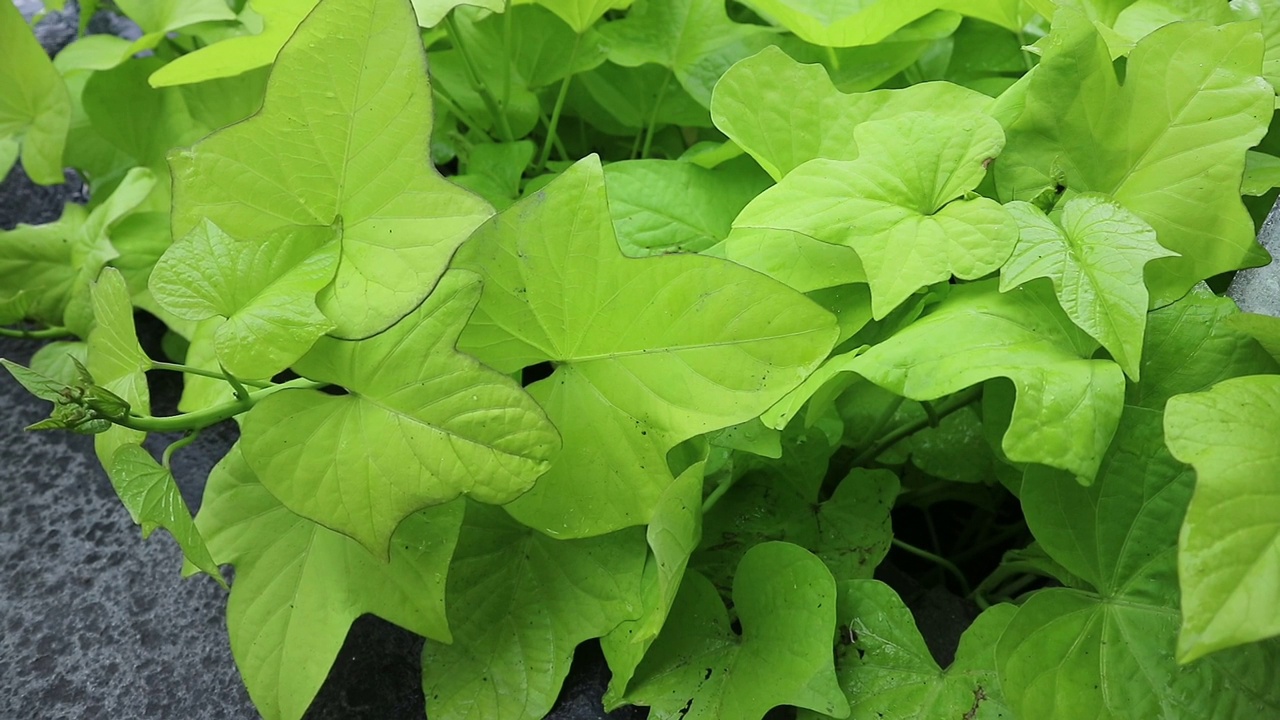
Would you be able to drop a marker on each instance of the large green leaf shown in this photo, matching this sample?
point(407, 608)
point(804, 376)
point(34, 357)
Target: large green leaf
point(673, 534)
point(784, 113)
point(661, 206)
point(150, 494)
point(165, 16)
point(850, 531)
point(35, 109)
point(1106, 649)
point(647, 353)
point(1094, 251)
point(266, 288)
point(519, 603)
point(903, 205)
point(699, 669)
point(579, 14)
point(1229, 550)
point(888, 673)
point(1067, 405)
point(1192, 345)
point(343, 140)
point(1263, 328)
point(299, 586)
point(693, 38)
point(442, 425)
point(116, 360)
point(157, 120)
point(278, 18)
point(1169, 144)
point(843, 24)
point(53, 265)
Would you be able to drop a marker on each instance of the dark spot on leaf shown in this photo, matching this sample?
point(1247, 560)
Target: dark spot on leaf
point(707, 675)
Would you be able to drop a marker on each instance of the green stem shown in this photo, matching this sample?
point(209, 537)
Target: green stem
point(716, 494)
point(40, 334)
point(938, 560)
point(473, 75)
point(833, 58)
point(211, 416)
point(941, 410)
point(653, 116)
point(458, 112)
point(177, 445)
point(176, 367)
point(559, 144)
point(554, 123)
point(1026, 56)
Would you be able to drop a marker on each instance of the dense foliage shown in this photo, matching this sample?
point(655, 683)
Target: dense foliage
point(665, 323)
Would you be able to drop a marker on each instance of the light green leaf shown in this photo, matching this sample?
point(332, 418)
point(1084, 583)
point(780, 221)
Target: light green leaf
point(58, 360)
point(843, 24)
point(900, 204)
point(443, 425)
point(53, 265)
point(431, 12)
point(199, 392)
point(93, 52)
point(801, 262)
point(1107, 650)
point(693, 38)
point(1169, 145)
point(266, 288)
point(1192, 345)
point(850, 532)
point(647, 353)
point(159, 18)
point(1010, 14)
point(35, 109)
point(1229, 550)
point(224, 101)
point(784, 113)
point(343, 140)
point(1263, 328)
point(673, 534)
point(699, 669)
point(662, 206)
point(299, 586)
point(580, 14)
point(116, 360)
point(165, 16)
point(494, 171)
point(519, 603)
point(279, 18)
point(37, 383)
point(1067, 405)
point(1261, 173)
point(1094, 251)
point(157, 121)
point(150, 494)
point(527, 47)
point(888, 673)
point(1144, 17)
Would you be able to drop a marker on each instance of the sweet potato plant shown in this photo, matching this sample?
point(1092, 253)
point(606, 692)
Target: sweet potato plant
point(665, 322)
